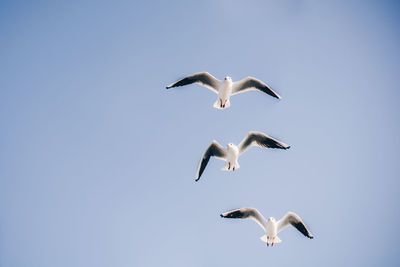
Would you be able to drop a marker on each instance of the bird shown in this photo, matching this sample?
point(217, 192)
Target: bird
point(226, 88)
point(232, 152)
point(270, 226)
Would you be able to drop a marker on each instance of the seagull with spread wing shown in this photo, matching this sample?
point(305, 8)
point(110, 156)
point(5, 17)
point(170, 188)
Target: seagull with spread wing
point(270, 226)
point(232, 152)
point(225, 89)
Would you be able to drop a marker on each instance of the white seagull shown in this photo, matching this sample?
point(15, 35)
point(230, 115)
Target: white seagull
point(225, 89)
point(270, 226)
point(232, 152)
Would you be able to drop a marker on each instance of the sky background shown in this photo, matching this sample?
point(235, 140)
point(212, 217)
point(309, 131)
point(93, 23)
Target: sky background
point(98, 159)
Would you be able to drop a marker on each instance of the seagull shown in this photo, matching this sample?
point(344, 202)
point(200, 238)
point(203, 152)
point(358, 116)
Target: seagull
point(225, 89)
point(270, 226)
point(232, 152)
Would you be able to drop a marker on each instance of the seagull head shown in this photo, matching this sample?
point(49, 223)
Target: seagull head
point(271, 219)
point(232, 147)
point(227, 78)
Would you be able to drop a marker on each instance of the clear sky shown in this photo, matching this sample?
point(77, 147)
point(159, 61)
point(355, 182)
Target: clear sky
point(98, 159)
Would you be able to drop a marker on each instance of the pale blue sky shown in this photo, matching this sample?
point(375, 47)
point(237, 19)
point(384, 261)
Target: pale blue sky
point(98, 160)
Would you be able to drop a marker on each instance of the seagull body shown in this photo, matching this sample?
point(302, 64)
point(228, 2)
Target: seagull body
point(270, 226)
point(232, 155)
point(226, 88)
point(232, 152)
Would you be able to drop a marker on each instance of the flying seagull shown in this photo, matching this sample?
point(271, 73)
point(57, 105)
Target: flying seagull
point(270, 226)
point(232, 152)
point(225, 89)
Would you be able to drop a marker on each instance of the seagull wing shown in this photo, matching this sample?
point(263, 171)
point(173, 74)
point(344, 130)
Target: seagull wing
point(213, 150)
point(293, 219)
point(262, 140)
point(203, 78)
point(251, 83)
point(245, 213)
